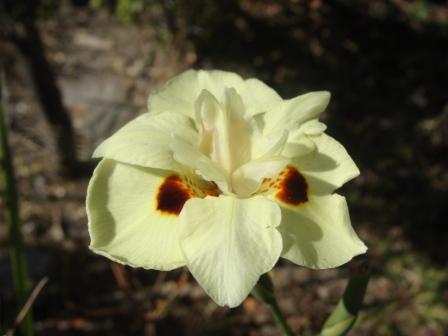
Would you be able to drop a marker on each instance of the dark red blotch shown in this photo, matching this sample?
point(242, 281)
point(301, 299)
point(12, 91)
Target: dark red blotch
point(293, 187)
point(172, 195)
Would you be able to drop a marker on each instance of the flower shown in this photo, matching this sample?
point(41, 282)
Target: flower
point(223, 176)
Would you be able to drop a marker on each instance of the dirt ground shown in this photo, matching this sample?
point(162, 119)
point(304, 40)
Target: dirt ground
point(389, 107)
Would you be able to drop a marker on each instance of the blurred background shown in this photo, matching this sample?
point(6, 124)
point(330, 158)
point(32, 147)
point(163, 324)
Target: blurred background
point(75, 71)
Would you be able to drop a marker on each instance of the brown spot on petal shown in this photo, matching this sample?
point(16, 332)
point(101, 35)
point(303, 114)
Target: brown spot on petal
point(293, 187)
point(172, 195)
point(211, 190)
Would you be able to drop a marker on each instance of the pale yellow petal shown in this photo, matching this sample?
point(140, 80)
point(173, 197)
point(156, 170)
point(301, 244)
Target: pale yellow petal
point(318, 234)
point(190, 156)
point(247, 179)
point(328, 167)
point(229, 243)
point(257, 96)
point(180, 93)
point(290, 114)
point(124, 222)
point(145, 141)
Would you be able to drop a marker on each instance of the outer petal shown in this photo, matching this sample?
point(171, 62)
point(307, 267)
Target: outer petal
point(145, 140)
point(124, 224)
point(257, 96)
point(318, 234)
point(229, 243)
point(300, 141)
point(327, 168)
point(298, 147)
point(181, 92)
point(290, 113)
point(313, 128)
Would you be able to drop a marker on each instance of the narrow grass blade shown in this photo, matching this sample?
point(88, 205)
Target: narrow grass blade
point(12, 219)
point(344, 316)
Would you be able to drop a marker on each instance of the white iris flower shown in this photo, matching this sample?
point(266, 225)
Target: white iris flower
point(223, 176)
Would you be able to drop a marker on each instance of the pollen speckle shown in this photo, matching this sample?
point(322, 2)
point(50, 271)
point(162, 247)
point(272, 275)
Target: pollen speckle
point(293, 189)
point(172, 195)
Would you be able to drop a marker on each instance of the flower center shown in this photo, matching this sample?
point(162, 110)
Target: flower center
point(232, 152)
point(239, 155)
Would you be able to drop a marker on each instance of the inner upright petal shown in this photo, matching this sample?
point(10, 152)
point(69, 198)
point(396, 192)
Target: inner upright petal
point(225, 131)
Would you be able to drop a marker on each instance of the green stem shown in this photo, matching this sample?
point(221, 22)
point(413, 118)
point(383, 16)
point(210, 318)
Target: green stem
point(264, 292)
point(11, 214)
point(344, 316)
